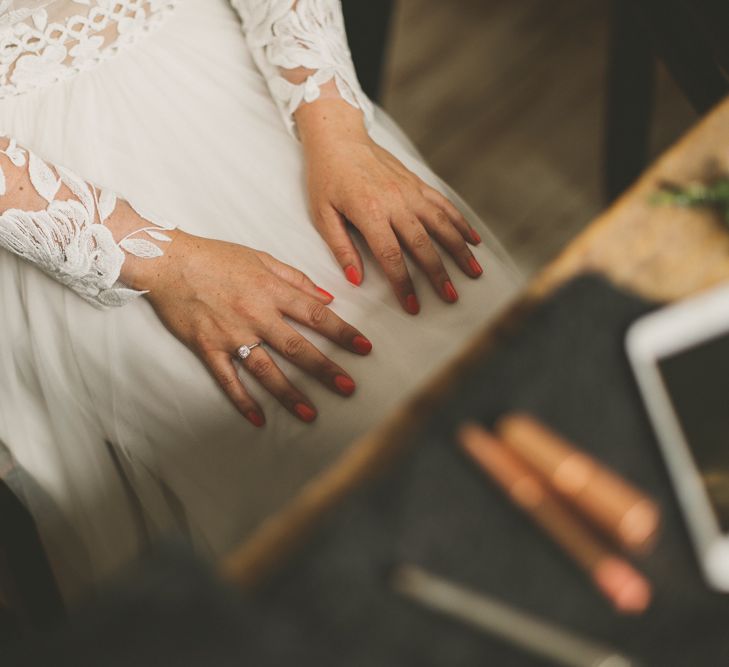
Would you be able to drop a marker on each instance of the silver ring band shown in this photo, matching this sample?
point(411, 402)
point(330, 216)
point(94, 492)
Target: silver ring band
point(244, 351)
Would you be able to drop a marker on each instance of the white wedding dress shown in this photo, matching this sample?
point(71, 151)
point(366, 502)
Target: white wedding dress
point(119, 433)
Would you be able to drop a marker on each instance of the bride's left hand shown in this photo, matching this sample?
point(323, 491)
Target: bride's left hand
point(353, 179)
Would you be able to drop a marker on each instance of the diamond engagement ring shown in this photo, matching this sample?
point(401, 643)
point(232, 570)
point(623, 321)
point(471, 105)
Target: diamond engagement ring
point(244, 351)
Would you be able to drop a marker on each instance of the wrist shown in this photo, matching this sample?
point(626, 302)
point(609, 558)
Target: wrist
point(142, 273)
point(329, 120)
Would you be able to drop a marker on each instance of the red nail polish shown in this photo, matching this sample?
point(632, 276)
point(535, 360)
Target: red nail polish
point(304, 412)
point(326, 294)
point(353, 275)
point(450, 291)
point(255, 418)
point(475, 266)
point(475, 237)
point(411, 304)
point(361, 344)
point(344, 384)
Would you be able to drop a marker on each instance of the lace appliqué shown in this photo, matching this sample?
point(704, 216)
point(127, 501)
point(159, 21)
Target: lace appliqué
point(36, 51)
point(290, 34)
point(69, 240)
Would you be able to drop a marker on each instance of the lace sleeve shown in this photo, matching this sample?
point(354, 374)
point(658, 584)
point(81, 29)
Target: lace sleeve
point(300, 45)
point(75, 232)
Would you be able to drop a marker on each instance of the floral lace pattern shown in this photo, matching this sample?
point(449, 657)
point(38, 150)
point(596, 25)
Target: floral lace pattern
point(290, 34)
point(70, 239)
point(44, 41)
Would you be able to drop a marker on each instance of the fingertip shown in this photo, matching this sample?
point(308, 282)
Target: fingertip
point(476, 268)
point(475, 238)
point(345, 384)
point(326, 295)
point(412, 305)
point(255, 418)
point(305, 413)
point(361, 344)
point(353, 275)
point(449, 291)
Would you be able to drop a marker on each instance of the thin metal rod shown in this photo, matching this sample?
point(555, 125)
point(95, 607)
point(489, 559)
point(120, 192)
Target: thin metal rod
point(508, 623)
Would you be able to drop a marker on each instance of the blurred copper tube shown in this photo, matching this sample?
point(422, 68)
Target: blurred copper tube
point(626, 588)
point(627, 515)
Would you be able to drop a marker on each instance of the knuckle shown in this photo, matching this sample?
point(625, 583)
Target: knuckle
point(391, 255)
point(341, 249)
point(300, 277)
point(371, 206)
point(242, 306)
point(441, 218)
point(201, 341)
point(226, 381)
point(293, 346)
point(316, 313)
point(260, 367)
point(421, 240)
point(264, 282)
point(345, 332)
point(320, 210)
point(393, 189)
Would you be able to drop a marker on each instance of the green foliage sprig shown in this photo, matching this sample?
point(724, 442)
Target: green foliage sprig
point(698, 195)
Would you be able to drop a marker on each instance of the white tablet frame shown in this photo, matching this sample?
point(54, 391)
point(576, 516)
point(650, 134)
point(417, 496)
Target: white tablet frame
point(653, 337)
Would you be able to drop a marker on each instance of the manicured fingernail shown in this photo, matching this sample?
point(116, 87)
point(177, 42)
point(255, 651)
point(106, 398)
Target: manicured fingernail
point(475, 266)
point(353, 275)
point(411, 304)
point(344, 384)
point(325, 294)
point(475, 237)
point(304, 412)
point(361, 344)
point(255, 418)
point(450, 291)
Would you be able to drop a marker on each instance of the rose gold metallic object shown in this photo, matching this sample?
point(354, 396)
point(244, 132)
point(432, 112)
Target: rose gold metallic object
point(623, 512)
point(625, 587)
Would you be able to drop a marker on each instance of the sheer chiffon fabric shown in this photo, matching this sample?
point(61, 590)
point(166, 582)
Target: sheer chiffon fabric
point(121, 433)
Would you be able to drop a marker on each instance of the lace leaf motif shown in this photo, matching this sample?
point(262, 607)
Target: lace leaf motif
point(65, 241)
point(42, 178)
point(290, 34)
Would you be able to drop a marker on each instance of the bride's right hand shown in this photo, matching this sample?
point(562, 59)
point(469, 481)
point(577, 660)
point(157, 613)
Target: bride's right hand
point(216, 296)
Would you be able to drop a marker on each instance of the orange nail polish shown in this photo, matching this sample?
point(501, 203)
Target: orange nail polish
point(361, 344)
point(255, 418)
point(450, 291)
point(324, 293)
point(475, 237)
point(411, 304)
point(344, 384)
point(353, 275)
point(304, 412)
point(475, 266)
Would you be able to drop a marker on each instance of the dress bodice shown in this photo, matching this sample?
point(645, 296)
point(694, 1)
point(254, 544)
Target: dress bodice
point(43, 41)
point(300, 46)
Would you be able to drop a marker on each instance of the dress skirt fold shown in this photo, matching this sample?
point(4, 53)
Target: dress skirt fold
point(120, 433)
